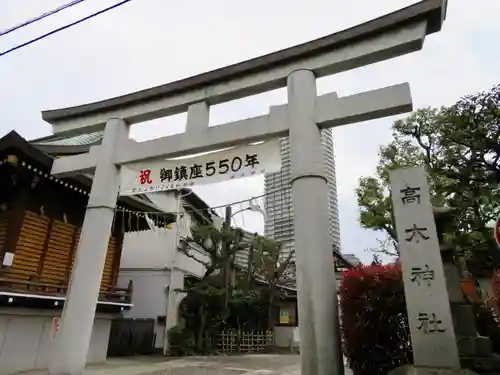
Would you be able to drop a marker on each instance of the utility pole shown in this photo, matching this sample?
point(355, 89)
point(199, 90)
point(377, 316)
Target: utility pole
point(172, 308)
point(250, 267)
point(225, 252)
point(227, 218)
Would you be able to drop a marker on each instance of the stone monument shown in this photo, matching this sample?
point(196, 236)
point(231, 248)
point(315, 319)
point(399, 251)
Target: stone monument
point(429, 262)
point(429, 316)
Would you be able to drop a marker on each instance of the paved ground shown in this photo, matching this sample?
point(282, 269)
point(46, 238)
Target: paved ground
point(259, 364)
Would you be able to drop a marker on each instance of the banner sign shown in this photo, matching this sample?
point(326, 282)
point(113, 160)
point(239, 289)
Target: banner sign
point(238, 162)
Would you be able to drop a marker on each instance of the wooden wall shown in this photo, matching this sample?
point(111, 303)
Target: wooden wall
point(4, 227)
point(45, 252)
point(40, 221)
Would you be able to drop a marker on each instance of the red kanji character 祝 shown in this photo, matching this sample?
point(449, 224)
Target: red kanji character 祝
point(145, 177)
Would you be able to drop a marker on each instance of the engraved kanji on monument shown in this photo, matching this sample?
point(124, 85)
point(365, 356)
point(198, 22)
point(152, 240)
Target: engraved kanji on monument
point(429, 315)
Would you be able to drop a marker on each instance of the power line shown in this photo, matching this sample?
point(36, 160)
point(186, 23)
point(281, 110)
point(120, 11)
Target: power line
point(63, 28)
point(40, 17)
point(193, 210)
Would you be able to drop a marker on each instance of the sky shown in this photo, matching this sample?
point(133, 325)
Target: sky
point(146, 43)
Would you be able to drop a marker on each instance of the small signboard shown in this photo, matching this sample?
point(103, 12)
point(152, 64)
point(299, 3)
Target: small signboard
point(238, 162)
point(284, 316)
point(8, 259)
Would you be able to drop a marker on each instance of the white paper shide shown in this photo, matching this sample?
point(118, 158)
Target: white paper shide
point(209, 168)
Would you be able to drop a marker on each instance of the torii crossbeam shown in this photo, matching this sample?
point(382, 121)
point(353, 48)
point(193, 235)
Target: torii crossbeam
point(301, 119)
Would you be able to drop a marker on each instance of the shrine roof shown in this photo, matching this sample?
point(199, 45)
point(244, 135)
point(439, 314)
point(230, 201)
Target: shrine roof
point(340, 260)
point(13, 140)
point(71, 140)
point(203, 210)
point(67, 144)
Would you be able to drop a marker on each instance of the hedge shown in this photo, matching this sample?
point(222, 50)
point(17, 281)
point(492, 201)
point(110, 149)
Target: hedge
point(495, 284)
point(375, 329)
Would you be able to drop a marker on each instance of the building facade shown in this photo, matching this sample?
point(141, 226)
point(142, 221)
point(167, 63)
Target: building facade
point(151, 261)
point(40, 222)
point(278, 202)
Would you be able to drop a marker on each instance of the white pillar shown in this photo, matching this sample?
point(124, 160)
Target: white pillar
point(72, 341)
point(172, 313)
point(175, 288)
point(318, 324)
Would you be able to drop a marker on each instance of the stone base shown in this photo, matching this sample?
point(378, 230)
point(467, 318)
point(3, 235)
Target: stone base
point(488, 365)
point(412, 370)
point(478, 346)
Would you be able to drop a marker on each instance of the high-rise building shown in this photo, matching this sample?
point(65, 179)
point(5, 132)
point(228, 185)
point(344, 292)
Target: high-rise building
point(278, 202)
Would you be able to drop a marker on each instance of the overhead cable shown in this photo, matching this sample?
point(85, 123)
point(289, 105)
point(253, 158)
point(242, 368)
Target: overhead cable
point(40, 17)
point(19, 46)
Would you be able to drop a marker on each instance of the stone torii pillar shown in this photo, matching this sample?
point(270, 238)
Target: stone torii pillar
point(78, 315)
point(302, 119)
point(317, 299)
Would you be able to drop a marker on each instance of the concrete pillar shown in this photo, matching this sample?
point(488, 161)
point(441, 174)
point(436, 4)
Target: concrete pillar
point(72, 340)
point(171, 319)
point(318, 324)
point(176, 284)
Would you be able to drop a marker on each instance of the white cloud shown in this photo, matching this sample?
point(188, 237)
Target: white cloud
point(147, 43)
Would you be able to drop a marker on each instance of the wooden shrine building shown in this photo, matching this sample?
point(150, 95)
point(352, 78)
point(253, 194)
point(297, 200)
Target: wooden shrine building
point(40, 221)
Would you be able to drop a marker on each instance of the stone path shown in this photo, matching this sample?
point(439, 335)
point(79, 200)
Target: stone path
point(258, 364)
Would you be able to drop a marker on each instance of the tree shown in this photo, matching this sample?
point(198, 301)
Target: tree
point(459, 146)
point(206, 305)
point(246, 299)
point(376, 259)
point(221, 246)
point(274, 267)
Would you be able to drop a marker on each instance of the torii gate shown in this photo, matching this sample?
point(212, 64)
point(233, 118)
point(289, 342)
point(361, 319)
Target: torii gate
point(301, 119)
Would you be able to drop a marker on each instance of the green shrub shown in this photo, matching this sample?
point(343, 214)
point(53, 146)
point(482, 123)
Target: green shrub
point(180, 341)
point(495, 283)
